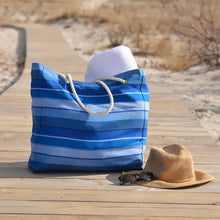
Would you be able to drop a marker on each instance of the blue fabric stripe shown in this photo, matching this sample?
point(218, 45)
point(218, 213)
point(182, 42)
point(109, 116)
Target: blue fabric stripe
point(42, 167)
point(86, 154)
point(70, 104)
point(60, 113)
point(80, 91)
point(39, 162)
point(132, 77)
point(89, 145)
point(88, 159)
point(87, 135)
point(89, 125)
point(63, 109)
point(95, 100)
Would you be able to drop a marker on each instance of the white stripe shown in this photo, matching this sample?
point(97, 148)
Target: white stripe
point(83, 140)
point(117, 94)
point(87, 154)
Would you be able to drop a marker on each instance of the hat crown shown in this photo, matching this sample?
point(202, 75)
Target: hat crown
point(172, 163)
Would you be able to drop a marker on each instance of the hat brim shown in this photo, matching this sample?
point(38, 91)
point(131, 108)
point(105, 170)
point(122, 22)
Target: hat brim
point(200, 178)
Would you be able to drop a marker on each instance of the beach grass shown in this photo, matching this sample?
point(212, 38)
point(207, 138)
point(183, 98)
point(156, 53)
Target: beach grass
point(149, 24)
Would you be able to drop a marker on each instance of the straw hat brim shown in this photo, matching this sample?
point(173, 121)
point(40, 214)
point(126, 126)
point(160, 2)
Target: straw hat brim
point(200, 178)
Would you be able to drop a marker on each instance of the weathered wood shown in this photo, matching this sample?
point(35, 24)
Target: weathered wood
point(80, 182)
point(92, 217)
point(175, 197)
point(78, 195)
point(109, 208)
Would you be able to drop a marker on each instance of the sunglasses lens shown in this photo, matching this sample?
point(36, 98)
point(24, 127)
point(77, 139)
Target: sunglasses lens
point(127, 179)
point(131, 178)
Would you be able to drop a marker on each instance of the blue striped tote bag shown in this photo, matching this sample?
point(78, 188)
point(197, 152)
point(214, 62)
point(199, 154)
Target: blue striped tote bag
point(78, 126)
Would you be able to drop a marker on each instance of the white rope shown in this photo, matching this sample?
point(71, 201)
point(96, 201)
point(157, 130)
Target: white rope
point(68, 79)
point(113, 79)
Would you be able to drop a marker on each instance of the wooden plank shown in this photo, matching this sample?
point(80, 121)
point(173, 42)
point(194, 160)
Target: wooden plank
point(189, 142)
point(174, 197)
point(92, 182)
point(91, 217)
point(108, 208)
point(20, 170)
point(205, 158)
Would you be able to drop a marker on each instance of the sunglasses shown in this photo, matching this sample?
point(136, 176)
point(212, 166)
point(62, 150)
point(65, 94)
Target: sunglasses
point(131, 178)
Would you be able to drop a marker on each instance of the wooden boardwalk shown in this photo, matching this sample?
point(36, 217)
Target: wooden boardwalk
point(73, 195)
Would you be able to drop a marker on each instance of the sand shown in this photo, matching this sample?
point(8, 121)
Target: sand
point(199, 86)
point(12, 56)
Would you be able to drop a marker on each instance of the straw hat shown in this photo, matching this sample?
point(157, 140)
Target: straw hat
point(172, 167)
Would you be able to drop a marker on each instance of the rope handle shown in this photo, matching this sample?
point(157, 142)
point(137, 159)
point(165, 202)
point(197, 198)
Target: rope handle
point(68, 79)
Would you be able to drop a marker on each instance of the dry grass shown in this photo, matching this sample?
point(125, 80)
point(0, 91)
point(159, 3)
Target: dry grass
point(144, 22)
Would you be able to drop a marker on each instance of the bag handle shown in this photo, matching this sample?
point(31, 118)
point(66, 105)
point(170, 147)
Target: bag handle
point(68, 79)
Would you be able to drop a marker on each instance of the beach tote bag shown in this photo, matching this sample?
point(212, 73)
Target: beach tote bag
point(99, 126)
